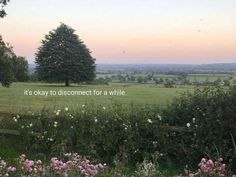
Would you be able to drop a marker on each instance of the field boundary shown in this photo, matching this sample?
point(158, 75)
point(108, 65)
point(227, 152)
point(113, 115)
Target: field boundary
point(167, 128)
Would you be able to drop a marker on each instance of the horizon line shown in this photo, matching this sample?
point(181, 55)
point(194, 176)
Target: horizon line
point(159, 63)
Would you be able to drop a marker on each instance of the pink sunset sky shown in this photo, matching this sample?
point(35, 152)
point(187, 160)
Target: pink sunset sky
point(129, 31)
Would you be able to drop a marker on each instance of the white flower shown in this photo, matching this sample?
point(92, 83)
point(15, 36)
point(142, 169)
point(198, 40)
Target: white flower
point(15, 119)
point(17, 116)
point(71, 127)
point(31, 125)
point(154, 143)
point(95, 119)
point(66, 108)
point(188, 125)
point(149, 121)
point(159, 117)
point(83, 105)
point(22, 126)
point(57, 113)
point(55, 124)
point(103, 107)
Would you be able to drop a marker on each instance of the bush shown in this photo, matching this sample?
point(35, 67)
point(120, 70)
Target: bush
point(210, 115)
point(197, 124)
point(105, 133)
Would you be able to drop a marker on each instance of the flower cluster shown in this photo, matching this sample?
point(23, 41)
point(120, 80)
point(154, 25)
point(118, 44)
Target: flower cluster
point(76, 165)
point(210, 168)
point(31, 167)
point(6, 170)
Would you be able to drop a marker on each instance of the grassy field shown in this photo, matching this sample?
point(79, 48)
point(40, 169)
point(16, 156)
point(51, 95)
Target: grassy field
point(13, 99)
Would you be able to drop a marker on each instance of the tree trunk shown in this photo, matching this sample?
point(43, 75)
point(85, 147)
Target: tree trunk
point(67, 82)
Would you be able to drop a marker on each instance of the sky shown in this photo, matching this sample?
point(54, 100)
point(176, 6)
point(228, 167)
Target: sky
point(129, 31)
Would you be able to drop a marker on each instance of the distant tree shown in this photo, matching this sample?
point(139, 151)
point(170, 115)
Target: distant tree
point(140, 79)
point(64, 57)
point(2, 11)
point(169, 84)
point(145, 79)
point(20, 69)
point(132, 78)
point(6, 71)
point(157, 81)
point(217, 82)
point(161, 80)
point(226, 82)
point(33, 77)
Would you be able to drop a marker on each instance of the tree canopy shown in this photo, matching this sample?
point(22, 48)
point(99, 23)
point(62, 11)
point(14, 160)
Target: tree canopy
point(12, 67)
point(20, 68)
point(63, 57)
point(2, 11)
point(6, 67)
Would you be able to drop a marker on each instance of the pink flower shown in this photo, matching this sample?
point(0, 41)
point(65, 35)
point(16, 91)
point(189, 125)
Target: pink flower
point(11, 169)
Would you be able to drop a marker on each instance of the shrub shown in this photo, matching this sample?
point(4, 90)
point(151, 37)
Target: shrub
point(105, 133)
point(210, 116)
point(197, 124)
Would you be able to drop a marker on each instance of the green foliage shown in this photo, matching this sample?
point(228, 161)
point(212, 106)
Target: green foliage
point(107, 133)
point(2, 11)
point(210, 114)
point(11, 67)
point(140, 79)
point(195, 125)
point(64, 57)
point(20, 69)
point(6, 73)
point(169, 84)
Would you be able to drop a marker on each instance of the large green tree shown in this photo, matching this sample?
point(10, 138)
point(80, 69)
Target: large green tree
point(63, 57)
point(6, 67)
point(2, 11)
point(12, 67)
point(20, 68)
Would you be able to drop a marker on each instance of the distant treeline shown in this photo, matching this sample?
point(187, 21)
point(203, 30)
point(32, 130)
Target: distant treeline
point(224, 68)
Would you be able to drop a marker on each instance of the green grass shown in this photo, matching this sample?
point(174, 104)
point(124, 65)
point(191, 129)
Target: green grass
point(13, 99)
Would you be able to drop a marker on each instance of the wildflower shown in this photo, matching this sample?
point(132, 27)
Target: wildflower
point(83, 105)
point(103, 107)
point(58, 112)
point(55, 124)
point(66, 109)
point(15, 119)
point(154, 143)
point(95, 120)
point(159, 117)
point(30, 125)
point(11, 169)
point(194, 120)
point(149, 121)
point(188, 125)
point(50, 139)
